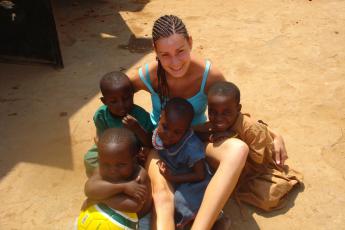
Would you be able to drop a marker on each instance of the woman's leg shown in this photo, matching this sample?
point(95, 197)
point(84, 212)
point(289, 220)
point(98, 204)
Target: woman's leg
point(232, 155)
point(162, 193)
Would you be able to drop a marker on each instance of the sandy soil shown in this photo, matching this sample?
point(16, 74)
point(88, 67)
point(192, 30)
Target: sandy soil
point(287, 57)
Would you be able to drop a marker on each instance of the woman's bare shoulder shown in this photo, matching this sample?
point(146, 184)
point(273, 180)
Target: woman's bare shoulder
point(133, 75)
point(214, 75)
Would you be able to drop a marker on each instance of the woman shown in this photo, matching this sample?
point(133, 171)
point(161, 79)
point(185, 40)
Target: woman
point(177, 73)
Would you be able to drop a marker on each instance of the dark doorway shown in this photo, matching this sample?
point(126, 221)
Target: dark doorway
point(28, 33)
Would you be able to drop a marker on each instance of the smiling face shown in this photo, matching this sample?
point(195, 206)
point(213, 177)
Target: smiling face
point(116, 162)
point(119, 100)
point(171, 129)
point(222, 111)
point(174, 54)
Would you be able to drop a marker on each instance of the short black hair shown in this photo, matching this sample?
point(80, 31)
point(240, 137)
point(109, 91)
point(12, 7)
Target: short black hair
point(225, 88)
point(114, 80)
point(180, 108)
point(117, 136)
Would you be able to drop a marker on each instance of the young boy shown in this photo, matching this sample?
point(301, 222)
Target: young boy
point(119, 182)
point(182, 159)
point(263, 182)
point(118, 111)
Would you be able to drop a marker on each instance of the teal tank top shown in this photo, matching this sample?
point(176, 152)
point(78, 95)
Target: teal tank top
point(198, 101)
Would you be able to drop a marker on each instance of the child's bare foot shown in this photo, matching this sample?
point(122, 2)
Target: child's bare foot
point(223, 223)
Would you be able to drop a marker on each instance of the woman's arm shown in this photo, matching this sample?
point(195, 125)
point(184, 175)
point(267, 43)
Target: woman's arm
point(198, 174)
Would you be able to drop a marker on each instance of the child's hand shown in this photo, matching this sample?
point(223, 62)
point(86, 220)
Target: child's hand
point(279, 150)
point(87, 203)
point(130, 122)
point(142, 155)
point(162, 166)
point(142, 177)
point(164, 170)
point(135, 189)
point(217, 137)
point(221, 136)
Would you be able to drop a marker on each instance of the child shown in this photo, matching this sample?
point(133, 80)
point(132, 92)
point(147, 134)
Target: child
point(118, 111)
point(263, 182)
point(182, 159)
point(119, 182)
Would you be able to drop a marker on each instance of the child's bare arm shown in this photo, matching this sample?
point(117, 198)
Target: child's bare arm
point(198, 174)
point(143, 135)
point(203, 131)
point(123, 202)
point(145, 180)
point(98, 189)
point(207, 134)
point(217, 137)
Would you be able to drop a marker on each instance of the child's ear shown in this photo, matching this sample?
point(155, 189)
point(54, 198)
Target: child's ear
point(239, 107)
point(96, 140)
point(102, 100)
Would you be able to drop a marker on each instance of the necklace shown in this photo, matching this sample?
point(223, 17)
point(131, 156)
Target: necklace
point(172, 153)
point(156, 141)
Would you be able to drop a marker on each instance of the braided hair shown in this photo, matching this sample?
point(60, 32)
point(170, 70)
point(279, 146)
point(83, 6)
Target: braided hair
point(164, 27)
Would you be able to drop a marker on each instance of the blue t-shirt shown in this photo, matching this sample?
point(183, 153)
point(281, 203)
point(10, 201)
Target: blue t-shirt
point(181, 157)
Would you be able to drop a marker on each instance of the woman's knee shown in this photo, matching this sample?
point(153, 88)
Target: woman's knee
point(236, 151)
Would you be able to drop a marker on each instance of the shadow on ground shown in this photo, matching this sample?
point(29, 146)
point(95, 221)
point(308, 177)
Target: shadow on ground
point(246, 220)
point(37, 103)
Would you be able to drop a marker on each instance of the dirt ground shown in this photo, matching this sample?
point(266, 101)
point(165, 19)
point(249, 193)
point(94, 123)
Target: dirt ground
point(287, 56)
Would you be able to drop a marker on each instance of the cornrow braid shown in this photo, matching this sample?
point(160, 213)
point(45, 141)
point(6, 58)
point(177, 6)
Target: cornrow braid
point(164, 27)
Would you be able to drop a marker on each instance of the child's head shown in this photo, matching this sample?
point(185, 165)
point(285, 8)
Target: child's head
point(117, 93)
point(175, 121)
point(223, 105)
point(117, 154)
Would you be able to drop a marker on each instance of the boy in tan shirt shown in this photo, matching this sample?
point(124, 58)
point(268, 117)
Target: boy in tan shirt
point(265, 180)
